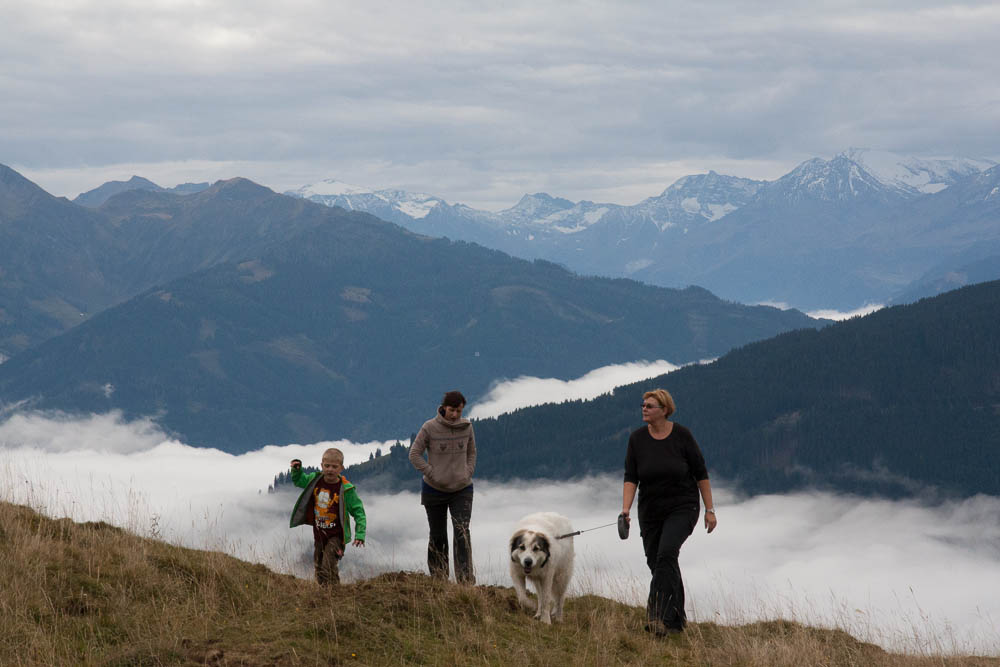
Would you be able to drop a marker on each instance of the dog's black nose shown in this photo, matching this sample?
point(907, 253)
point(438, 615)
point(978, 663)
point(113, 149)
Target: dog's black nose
point(528, 562)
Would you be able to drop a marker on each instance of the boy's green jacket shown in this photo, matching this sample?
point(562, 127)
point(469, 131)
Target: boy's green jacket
point(302, 512)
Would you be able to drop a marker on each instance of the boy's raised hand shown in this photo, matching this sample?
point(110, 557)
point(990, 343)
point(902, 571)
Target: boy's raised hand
point(296, 464)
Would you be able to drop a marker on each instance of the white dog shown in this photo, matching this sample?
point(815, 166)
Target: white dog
point(537, 553)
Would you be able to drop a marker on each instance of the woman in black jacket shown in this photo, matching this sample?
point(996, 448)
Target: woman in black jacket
point(664, 463)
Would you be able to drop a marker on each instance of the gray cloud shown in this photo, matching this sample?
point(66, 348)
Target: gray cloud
point(509, 395)
point(601, 101)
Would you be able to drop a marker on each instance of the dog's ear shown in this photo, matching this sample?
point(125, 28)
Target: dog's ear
point(543, 543)
point(516, 541)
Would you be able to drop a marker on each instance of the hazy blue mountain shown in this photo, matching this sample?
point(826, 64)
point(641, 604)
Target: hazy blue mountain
point(945, 239)
point(539, 206)
point(99, 195)
point(59, 263)
point(393, 205)
point(805, 239)
point(694, 200)
point(169, 235)
point(975, 266)
point(189, 188)
point(591, 238)
point(953, 220)
point(796, 242)
point(905, 401)
point(337, 324)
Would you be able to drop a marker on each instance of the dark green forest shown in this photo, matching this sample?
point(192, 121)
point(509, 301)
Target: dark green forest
point(903, 402)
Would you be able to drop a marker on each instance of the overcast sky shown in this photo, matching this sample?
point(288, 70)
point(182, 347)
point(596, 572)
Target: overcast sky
point(479, 102)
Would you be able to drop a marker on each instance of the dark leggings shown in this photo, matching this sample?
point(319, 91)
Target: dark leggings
point(438, 505)
point(662, 540)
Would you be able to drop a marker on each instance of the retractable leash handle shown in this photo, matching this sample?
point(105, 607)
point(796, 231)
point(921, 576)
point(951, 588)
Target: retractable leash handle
point(622, 526)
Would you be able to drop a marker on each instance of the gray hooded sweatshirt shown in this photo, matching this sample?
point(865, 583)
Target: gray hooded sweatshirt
point(451, 453)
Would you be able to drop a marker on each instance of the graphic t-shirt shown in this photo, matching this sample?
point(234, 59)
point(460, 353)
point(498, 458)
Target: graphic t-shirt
point(326, 499)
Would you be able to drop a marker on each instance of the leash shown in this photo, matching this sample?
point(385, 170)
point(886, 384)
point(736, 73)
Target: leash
point(587, 530)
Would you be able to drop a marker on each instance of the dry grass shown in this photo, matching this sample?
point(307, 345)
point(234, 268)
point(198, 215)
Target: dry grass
point(93, 594)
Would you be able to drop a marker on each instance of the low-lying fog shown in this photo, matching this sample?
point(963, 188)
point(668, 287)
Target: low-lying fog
point(901, 574)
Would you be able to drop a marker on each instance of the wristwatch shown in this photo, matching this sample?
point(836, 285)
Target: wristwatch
point(709, 510)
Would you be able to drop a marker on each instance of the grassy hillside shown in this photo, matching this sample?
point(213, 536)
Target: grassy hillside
point(93, 594)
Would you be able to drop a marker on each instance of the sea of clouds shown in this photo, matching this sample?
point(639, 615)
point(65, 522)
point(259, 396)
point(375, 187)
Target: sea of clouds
point(903, 574)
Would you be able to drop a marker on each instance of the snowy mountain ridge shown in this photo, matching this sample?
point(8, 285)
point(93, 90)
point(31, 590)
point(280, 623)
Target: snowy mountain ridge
point(854, 229)
point(691, 200)
point(839, 179)
point(915, 175)
point(332, 192)
point(698, 198)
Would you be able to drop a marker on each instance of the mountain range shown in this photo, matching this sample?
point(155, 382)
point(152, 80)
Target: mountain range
point(97, 196)
point(902, 402)
point(833, 233)
point(238, 317)
point(61, 263)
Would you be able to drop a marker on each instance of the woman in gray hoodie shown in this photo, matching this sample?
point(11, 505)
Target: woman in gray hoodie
point(450, 446)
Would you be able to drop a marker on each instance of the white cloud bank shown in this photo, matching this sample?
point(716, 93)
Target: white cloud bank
point(829, 313)
point(509, 395)
point(899, 574)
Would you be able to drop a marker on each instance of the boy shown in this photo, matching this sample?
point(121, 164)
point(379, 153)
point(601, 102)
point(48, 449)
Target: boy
point(325, 502)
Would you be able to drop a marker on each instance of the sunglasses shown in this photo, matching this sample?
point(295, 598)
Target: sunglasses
point(651, 406)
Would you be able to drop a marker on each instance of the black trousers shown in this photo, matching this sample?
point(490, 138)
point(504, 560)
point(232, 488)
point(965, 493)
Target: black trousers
point(662, 540)
point(438, 506)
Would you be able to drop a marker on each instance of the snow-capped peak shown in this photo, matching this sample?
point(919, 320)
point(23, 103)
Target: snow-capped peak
point(915, 175)
point(383, 203)
point(540, 204)
point(331, 188)
point(838, 179)
point(698, 198)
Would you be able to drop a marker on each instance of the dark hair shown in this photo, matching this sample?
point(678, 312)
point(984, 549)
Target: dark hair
point(453, 399)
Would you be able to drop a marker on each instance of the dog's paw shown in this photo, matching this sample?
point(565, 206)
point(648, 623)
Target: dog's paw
point(529, 604)
point(544, 618)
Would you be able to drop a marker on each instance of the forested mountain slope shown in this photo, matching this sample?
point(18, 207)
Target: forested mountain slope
point(900, 402)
